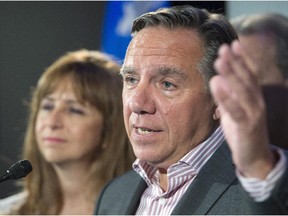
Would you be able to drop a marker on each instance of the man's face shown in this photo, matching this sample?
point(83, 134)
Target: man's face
point(262, 49)
point(167, 110)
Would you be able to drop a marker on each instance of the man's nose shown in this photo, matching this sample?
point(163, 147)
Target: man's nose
point(141, 100)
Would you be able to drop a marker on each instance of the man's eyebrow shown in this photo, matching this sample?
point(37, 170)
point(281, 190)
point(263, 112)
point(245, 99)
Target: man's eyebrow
point(163, 71)
point(170, 71)
point(127, 70)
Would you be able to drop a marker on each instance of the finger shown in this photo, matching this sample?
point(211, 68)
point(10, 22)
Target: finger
point(233, 95)
point(236, 63)
point(223, 96)
point(241, 51)
point(247, 65)
point(223, 58)
point(231, 67)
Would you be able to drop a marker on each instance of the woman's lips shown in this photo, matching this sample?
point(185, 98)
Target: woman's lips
point(54, 140)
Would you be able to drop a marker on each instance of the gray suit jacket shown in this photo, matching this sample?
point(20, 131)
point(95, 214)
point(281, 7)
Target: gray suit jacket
point(216, 190)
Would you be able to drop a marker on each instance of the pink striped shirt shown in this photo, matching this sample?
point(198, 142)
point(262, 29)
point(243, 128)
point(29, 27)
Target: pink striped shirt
point(154, 200)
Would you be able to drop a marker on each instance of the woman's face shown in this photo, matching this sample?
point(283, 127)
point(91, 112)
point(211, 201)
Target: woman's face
point(67, 131)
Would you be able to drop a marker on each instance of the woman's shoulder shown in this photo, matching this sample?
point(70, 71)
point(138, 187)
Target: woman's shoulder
point(12, 202)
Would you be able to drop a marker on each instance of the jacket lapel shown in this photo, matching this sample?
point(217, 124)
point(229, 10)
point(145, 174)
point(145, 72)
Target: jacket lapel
point(213, 179)
point(135, 187)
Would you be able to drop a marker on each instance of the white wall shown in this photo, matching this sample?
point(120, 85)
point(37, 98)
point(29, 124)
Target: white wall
point(237, 8)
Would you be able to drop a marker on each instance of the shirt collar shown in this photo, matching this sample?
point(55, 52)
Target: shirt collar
point(196, 158)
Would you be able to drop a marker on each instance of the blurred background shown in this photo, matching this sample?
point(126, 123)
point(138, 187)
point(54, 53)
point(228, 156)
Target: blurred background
point(33, 34)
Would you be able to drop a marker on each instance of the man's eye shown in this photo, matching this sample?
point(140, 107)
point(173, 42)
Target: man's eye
point(168, 85)
point(130, 80)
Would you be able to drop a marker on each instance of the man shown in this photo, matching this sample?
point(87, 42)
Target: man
point(184, 165)
point(265, 37)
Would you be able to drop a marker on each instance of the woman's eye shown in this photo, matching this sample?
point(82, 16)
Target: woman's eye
point(76, 111)
point(47, 107)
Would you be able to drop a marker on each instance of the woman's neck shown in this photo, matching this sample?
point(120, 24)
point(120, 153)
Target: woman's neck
point(76, 189)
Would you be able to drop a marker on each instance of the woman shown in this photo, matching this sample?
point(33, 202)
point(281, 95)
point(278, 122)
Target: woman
point(75, 139)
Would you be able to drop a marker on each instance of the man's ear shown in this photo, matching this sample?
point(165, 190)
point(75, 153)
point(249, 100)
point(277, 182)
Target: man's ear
point(216, 115)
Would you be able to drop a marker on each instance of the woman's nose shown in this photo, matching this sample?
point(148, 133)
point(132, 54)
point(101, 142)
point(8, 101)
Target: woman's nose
point(55, 119)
